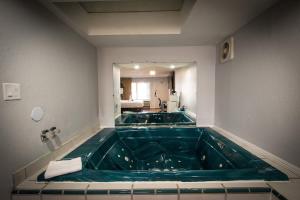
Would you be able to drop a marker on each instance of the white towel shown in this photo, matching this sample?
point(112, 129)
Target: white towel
point(57, 168)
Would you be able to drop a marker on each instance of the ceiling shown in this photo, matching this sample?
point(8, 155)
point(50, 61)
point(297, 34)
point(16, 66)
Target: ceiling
point(165, 23)
point(161, 69)
point(131, 6)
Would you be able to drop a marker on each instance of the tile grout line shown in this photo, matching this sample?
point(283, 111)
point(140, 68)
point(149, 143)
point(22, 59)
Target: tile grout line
point(178, 191)
point(131, 191)
point(41, 190)
point(85, 191)
point(273, 189)
point(273, 163)
point(225, 189)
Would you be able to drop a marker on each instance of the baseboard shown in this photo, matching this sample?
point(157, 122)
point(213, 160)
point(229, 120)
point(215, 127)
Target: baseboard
point(41, 163)
point(291, 170)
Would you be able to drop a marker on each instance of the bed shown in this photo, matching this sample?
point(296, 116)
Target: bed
point(132, 105)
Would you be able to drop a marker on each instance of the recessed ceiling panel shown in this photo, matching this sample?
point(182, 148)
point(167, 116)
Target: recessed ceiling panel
point(132, 6)
point(144, 22)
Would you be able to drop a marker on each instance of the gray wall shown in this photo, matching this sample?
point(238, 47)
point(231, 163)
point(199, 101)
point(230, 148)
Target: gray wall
point(186, 85)
point(204, 56)
point(258, 93)
point(57, 70)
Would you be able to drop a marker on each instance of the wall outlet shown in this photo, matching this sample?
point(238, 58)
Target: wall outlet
point(11, 91)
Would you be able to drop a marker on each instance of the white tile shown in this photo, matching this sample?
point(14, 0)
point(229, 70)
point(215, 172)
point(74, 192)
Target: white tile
point(213, 196)
point(202, 197)
point(110, 185)
point(245, 184)
point(30, 185)
point(292, 170)
point(25, 197)
point(200, 185)
point(97, 197)
point(143, 197)
point(118, 197)
point(167, 197)
point(51, 197)
point(282, 168)
point(72, 197)
point(66, 186)
point(191, 197)
point(290, 190)
point(155, 185)
point(265, 196)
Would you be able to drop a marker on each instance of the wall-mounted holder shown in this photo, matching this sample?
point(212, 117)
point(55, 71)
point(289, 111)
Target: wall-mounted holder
point(54, 131)
point(44, 136)
point(49, 134)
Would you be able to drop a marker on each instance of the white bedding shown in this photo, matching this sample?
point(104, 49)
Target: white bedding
point(132, 103)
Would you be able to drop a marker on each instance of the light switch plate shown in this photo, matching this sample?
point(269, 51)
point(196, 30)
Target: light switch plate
point(11, 91)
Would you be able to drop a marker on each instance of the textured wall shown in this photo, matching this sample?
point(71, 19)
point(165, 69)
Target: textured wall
point(203, 55)
point(186, 85)
point(258, 94)
point(57, 70)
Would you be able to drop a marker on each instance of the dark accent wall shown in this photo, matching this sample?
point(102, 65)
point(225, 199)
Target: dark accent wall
point(126, 85)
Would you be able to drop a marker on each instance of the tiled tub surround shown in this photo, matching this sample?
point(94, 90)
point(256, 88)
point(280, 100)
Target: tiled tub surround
point(149, 190)
point(154, 119)
point(30, 189)
point(165, 154)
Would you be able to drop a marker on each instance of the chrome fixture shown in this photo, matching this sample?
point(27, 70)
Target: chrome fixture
point(54, 131)
point(49, 134)
point(44, 136)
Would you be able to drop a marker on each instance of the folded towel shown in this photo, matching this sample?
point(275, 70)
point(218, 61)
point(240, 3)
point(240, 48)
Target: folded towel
point(57, 168)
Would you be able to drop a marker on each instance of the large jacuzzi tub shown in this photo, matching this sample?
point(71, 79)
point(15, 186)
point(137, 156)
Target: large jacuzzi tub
point(165, 154)
point(150, 119)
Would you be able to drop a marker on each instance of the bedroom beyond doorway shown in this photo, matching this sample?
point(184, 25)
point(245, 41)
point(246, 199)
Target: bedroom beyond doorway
point(155, 87)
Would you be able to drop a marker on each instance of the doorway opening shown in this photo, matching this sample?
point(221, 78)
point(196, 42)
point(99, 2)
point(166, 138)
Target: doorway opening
point(155, 93)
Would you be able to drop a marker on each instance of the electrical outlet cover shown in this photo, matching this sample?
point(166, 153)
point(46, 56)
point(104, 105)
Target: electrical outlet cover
point(11, 91)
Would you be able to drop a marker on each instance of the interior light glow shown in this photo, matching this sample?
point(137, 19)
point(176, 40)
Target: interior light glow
point(152, 73)
point(136, 66)
point(172, 66)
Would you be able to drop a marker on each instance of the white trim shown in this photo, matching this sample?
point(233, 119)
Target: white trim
point(291, 170)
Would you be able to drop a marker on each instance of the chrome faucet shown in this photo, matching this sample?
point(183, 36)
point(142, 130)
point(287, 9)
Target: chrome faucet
point(49, 134)
point(44, 136)
point(54, 131)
